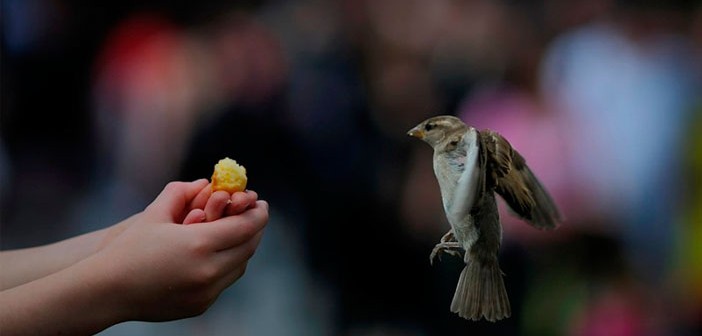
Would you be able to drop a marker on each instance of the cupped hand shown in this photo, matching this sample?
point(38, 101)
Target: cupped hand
point(164, 271)
point(208, 206)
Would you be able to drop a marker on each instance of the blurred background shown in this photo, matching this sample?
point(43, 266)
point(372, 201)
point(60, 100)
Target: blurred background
point(105, 102)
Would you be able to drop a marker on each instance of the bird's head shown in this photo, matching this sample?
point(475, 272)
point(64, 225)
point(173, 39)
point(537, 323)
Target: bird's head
point(436, 131)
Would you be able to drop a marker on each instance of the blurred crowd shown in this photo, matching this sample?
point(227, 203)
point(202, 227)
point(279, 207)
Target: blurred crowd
point(105, 102)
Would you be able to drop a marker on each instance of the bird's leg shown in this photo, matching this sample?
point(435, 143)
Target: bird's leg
point(452, 248)
point(448, 244)
point(448, 237)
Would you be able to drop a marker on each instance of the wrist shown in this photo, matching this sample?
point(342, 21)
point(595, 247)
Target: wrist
point(103, 291)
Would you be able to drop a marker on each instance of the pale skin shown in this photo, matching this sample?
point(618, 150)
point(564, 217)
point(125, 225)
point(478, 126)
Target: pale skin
point(147, 267)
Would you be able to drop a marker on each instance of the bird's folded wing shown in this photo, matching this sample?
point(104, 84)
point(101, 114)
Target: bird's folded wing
point(516, 183)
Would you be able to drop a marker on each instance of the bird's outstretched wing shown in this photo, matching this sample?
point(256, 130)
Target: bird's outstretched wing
point(515, 182)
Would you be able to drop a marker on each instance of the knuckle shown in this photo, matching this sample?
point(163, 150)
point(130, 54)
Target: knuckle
point(173, 186)
point(220, 195)
point(205, 276)
point(200, 246)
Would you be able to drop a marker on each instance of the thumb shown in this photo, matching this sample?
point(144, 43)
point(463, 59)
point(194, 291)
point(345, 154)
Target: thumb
point(172, 202)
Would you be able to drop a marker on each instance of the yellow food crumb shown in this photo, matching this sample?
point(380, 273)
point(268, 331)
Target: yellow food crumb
point(229, 176)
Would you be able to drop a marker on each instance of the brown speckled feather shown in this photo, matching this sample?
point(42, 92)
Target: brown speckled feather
point(515, 182)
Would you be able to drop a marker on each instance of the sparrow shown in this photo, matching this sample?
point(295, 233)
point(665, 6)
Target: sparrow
point(471, 166)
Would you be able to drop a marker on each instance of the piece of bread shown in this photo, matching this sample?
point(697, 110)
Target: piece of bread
point(229, 176)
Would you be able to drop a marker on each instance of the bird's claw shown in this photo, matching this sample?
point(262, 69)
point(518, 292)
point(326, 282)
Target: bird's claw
point(451, 248)
point(435, 252)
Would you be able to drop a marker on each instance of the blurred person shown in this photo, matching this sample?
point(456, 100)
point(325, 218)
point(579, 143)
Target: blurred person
point(157, 83)
point(624, 84)
point(516, 107)
point(348, 96)
point(479, 41)
point(43, 123)
point(147, 94)
point(287, 119)
point(87, 283)
point(253, 82)
point(624, 87)
point(513, 106)
point(204, 91)
point(502, 96)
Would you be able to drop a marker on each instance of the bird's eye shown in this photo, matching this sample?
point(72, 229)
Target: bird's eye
point(429, 127)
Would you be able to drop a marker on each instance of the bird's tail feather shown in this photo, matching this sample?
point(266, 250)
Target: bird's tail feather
point(481, 292)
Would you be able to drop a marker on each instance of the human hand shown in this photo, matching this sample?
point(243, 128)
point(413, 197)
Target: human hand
point(205, 207)
point(208, 206)
point(160, 271)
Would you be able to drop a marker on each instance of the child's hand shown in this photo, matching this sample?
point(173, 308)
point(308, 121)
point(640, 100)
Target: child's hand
point(161, 271)
point(208, 206)
point(205, 207)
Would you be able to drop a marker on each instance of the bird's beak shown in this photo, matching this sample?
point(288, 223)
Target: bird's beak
point(416, 132)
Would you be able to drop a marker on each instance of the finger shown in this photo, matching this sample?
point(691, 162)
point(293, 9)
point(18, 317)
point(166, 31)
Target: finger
point(232, 231)
point(195, 216)
point(240, 202)
point(216, 204)
point(200, 200)
point(172, 201)
point(252, 194)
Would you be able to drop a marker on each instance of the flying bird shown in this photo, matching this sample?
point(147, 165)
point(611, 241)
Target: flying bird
point(471, 166)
